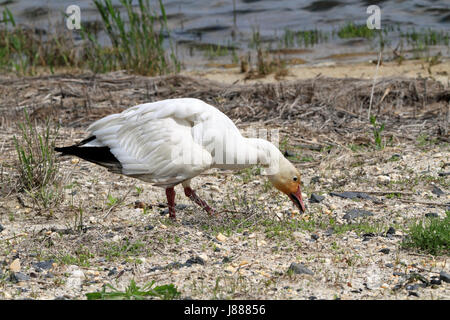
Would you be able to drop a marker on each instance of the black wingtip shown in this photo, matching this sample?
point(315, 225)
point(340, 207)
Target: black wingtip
point(98, 155)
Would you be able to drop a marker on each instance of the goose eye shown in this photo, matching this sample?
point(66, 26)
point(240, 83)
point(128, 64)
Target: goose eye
point(295, 178)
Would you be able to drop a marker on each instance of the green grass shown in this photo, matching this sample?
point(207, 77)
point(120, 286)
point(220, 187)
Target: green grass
point(137, 44)
point(36, 165)
point(377, 130)
point(81, 257)
point(135, 292)
point(124, 249)
point(351, 30)
point(22, 51)
point(430, 235)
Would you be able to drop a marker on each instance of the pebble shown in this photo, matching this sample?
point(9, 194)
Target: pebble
point(196, 260)
point(18, 277)
point(299, 268)
point(431, 215)
point(444, 276)
point(215, 188)
point(391, 231)
point(43, 265)
point(220, 237)
point(356, 213)
point(351, 195)
point(435, 281)
point(315, 198)
point(15, 266)
point(383, 179)
point(410, 287)
point(243, 263)
point(139, 204)
point(75, 279)
point(437, 191)
point(230, 269)
point(329, 232)
point(112, 272)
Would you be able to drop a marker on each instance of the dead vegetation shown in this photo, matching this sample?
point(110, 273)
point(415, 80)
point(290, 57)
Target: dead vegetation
point(335, 108)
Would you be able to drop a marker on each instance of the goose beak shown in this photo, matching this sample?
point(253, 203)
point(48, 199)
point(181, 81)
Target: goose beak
point(297, 200)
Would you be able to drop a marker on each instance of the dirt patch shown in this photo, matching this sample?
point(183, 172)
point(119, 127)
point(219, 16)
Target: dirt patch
point(247, 251)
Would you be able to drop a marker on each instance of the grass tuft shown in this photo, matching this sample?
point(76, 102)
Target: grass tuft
point(431, 235)
point(36, 165)
point(137, 41)
point(134, 292)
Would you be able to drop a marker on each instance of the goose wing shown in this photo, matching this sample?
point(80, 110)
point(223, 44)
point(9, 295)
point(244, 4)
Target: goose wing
point(164, 142)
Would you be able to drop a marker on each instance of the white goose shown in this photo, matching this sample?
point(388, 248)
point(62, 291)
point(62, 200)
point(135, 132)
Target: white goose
point(171, 141)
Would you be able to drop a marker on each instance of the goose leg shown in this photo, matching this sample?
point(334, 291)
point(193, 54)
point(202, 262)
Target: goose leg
point(195, 198)
point(170, 194)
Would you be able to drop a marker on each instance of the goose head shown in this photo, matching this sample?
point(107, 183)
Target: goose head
point(287, 180)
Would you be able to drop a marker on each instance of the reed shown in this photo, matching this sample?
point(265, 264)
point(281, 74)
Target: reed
point(137, 40)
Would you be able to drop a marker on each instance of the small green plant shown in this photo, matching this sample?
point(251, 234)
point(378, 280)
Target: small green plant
point(134, 292)
point(377, 129)
point(139, 190)
point(37, 168)
point(431, 235)
point(111, 201)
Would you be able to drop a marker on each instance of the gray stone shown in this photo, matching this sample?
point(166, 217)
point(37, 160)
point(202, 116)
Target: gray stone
point(444, 276)
point(431, 215)
point(315, 198)
point(299, 268)
point(437, 191)
point(391, 231)
point(43, 265)
point(195, 260)
point(356, 213)
point(435, 281)
point(19, 276)
point(351, 195)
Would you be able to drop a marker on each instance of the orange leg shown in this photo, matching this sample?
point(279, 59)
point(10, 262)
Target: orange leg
point(170, 194)
point(195, 198)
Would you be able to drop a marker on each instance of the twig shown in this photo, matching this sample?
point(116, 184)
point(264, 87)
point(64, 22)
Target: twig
point(117, 203)
point(16, 236)
point(425, 202)
point(373, 85)
point(385, 192)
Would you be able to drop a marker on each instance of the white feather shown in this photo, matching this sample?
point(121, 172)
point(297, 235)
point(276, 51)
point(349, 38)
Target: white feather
point(169, 141)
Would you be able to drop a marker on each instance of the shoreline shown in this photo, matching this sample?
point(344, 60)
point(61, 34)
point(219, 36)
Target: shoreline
point(362, 70)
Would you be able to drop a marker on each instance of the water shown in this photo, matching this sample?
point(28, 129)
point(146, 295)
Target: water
point(233, 22)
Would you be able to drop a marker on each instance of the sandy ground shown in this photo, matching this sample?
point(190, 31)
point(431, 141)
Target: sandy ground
point(363, 70)
point(245, 252)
